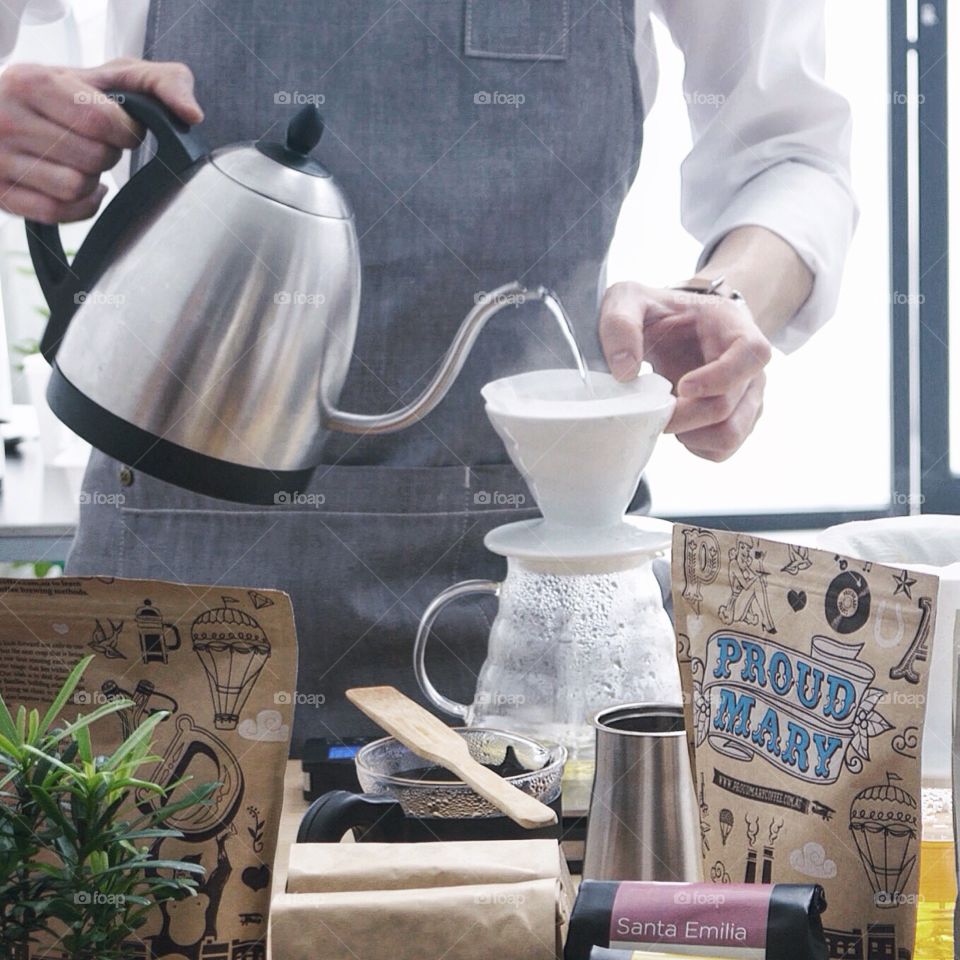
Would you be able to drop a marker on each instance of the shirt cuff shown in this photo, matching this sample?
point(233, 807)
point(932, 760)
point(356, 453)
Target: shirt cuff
point(816, 215)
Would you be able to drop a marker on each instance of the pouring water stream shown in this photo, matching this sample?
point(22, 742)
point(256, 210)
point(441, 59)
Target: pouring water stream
point(553, 304)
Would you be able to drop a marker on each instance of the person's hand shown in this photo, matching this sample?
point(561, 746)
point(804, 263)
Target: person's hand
point(59, 132)
point(708, 347)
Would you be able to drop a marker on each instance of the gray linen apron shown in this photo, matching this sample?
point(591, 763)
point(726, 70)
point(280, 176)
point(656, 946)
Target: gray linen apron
point(479, 141)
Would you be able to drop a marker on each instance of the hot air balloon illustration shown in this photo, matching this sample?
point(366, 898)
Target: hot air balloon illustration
point(884, 822)
point(233, 648)
point(726, 824)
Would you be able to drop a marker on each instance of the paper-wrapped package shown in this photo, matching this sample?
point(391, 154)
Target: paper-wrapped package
point(929, 543)
point(335, 867)
point(509, 921)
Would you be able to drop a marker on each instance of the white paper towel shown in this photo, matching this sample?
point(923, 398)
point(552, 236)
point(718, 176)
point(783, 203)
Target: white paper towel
point(929, 543)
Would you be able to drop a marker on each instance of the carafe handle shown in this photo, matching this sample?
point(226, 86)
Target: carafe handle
point(377, 818)
point(463, 589)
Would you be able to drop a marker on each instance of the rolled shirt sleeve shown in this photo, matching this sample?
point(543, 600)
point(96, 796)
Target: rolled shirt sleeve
point(771, 141)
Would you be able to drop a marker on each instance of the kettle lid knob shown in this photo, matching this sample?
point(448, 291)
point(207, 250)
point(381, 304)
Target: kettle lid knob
point(304, 130)
point(303, 133)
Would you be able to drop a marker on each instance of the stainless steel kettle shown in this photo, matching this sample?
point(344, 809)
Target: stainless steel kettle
point(204, 328)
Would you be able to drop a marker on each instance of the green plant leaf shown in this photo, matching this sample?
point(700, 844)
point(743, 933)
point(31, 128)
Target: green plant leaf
point(153, 833)
point(66, 692)
point(84, 746)
point(49, 758)
point(194, 796)
point(181, 866)
point(7, 727)
point(33, 725)
point(139, 739)
point(104, 710)
point(9, 750)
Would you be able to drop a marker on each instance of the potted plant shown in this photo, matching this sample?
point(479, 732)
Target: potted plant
point(75, 852)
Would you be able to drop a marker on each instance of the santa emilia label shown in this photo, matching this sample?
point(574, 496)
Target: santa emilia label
point(726, 932)
point(808, 714)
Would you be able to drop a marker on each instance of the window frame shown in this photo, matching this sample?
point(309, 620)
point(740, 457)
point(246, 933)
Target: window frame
point(939, 488)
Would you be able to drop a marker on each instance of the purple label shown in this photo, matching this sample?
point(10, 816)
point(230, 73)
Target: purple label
point(705, 914)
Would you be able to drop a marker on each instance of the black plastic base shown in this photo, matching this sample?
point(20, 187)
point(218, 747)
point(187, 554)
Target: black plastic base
point(166, 460)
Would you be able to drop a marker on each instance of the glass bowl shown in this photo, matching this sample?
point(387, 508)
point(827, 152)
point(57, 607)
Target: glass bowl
point(381, 766)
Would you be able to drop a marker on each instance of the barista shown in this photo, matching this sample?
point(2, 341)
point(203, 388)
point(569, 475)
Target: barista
point(479, 141)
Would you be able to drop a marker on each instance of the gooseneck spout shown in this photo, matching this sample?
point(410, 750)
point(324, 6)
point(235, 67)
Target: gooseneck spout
point(511, 294)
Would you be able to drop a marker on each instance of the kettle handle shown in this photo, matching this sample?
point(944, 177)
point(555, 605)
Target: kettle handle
point(64, 284)
point(463, 589)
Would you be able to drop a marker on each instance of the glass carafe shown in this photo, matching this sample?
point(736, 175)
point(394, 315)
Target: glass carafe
point(570, 637)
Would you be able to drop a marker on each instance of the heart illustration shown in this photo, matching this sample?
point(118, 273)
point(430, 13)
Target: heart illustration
point(61, 628)
point(797, 599)
point(256, 878)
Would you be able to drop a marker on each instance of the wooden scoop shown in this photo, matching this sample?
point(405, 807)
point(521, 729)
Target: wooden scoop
point(430, 738)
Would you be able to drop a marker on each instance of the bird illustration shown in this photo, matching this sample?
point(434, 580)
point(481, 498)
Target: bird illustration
point(106, 643)
point(799, 560)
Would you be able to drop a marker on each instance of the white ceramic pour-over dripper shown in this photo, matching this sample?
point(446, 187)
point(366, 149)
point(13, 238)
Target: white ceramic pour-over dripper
point(582, 456)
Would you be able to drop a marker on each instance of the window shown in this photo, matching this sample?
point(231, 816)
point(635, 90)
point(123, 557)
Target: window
point(823, 447)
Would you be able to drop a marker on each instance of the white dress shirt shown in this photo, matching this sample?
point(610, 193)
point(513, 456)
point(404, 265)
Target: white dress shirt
point(771, 141)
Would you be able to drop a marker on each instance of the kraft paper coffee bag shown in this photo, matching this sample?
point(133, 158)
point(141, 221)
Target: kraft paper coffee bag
point(222, 661)
point(805, 677)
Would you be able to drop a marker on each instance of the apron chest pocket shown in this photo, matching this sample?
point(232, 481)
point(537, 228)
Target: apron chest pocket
point(517, 29)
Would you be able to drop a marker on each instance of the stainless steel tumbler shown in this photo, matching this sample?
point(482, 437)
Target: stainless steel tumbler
point(644, 823)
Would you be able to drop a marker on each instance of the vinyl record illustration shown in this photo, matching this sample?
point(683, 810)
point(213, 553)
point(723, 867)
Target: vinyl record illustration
point(847, 604)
